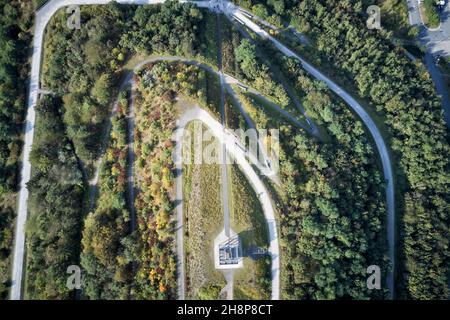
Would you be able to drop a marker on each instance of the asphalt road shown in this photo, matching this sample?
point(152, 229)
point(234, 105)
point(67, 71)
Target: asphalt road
point(438, 39)
point(227, 81)
point(42, 18)
point(437, 43)
point(234, 12)
point(230, 141)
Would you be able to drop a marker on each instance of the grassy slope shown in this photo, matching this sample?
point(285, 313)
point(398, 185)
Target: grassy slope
point(204, 221)
point(247, 220)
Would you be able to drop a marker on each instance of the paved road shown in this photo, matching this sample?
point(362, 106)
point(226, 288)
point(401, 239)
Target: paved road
point(437, 43)
point(42, 18)
point(311, 128)
point(437, 40)
point(440, 84)
point(181, 273)
point(234, 12)
point(240, 157)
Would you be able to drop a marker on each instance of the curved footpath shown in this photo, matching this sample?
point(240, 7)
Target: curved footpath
point(42, 18)
point(234, 11)
point(44, 15)
point(228, 82)
point(235, 149)
point(230, 142)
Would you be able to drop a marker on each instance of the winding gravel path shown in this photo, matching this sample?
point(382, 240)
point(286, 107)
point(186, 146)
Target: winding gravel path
point(44, 15)
point(230, 142)
point(42, 18)
point(234, 11)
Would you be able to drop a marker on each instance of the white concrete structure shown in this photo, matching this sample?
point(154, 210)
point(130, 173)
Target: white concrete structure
point(240, 158)
point(44, 15)
point(223, 242)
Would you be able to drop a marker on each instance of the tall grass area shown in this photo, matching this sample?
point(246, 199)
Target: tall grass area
point(212, 86)
point(233, 118)
point(248, 221)
point(7, 215)
point(208, 39)
point(430, 14)
point(231, 38)
point(106, 256)
point(203, 221)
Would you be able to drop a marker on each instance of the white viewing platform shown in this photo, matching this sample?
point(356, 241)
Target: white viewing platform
point(227, 251)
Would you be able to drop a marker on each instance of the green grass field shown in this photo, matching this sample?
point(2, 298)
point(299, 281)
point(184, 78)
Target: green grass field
point(203, 221)
point(247, 220)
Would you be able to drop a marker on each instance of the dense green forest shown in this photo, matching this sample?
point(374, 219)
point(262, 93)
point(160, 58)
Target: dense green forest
point(343, 187)
point(14, 39)
point(332, 197)
point(55, 206)
point(259, 74)
point(15, 21)
point(84, 65)
point(332, 212)
point(403, 94)
point(107, 252)
point(84, 68)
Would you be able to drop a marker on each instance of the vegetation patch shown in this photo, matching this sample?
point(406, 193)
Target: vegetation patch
point(7, 215)
point(55, 207)
point(107, 250)
point(233, 117)
point(253, 281)
point(155, 121)
point(429, 13)
point(208, 39)
point(231, 38)
point(258, 74)
point(204, 221)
